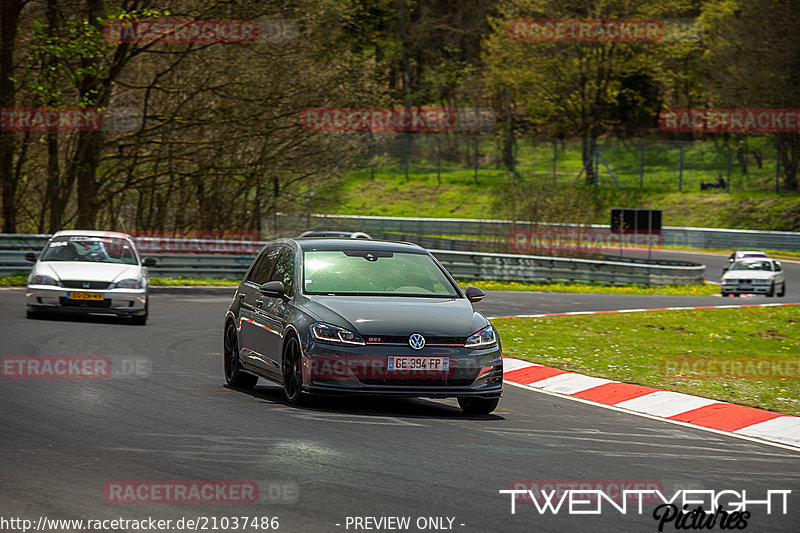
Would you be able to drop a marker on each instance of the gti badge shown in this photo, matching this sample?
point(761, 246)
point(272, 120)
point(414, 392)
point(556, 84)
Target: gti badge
point(416, 341)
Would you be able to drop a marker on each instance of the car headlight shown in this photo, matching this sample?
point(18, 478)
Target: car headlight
point(482, 339)
point(130, 283)
point(335, 335)
point(41, 279)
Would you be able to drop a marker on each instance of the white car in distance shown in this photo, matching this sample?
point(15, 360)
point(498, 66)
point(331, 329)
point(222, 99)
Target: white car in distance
point(89, 272)
point(754, 276)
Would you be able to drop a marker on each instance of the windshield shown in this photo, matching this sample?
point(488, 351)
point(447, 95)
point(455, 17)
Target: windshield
point(751, 265)
point(90, 249)
point(373, 272)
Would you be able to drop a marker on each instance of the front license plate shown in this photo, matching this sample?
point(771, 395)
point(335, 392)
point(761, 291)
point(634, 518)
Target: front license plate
point(420, 364)
point(745, 287)
point(86, 296)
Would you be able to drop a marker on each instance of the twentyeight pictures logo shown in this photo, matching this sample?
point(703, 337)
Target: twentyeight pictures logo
point(683, 509)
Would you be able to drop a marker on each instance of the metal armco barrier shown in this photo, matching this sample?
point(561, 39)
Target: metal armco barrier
point(462, 264)
point(510, 267)
point(500, 229)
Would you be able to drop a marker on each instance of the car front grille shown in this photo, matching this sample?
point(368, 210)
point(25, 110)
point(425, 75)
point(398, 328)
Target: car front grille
point(403, 339)
point(97, 304)
point(77, 284)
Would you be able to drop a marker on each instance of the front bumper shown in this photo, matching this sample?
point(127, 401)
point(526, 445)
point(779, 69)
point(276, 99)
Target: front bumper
point(331, 369)
point(121, 302)
point(738, 288)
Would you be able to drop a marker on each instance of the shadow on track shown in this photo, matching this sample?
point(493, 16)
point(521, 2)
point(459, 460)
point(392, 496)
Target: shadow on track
point(367, 405)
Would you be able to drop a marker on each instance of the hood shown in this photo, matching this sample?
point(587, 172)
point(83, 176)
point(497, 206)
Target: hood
point(377, 315)
point(748, 274)
point(80, 270)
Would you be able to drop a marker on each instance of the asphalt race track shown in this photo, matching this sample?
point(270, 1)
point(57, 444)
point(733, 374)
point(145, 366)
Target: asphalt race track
point(319, 467)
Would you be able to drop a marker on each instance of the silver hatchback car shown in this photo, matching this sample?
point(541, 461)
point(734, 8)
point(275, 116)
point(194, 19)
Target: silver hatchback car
point(89, 272)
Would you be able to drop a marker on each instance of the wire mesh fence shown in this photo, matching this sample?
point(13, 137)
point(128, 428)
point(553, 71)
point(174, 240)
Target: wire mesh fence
point(745, 164)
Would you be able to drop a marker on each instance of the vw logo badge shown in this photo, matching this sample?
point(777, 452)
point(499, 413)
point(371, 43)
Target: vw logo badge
point(86, 284)
point(416, 341)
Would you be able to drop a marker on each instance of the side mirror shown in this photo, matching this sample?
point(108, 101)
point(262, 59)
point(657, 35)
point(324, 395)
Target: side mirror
point(778, 266)
point(474, 294)
point(31, 256)
point(273, 289)
point(149, 262)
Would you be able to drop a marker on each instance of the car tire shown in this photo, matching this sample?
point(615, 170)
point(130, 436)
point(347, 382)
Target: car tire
point(32, 314)
point(783, 290)
point(771, 291)
point(234, 376)
point(477, 406)
point(141, 320)
point(292, 372)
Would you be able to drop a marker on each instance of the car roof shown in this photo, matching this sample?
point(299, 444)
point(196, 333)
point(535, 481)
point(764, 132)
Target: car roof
point(91, 233)
point(334, 234)
point(758, 253)
point(359, 244)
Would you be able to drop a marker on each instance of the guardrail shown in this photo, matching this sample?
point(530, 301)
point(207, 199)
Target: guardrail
point(500, 229)
point(511, 267)
point(461, 264)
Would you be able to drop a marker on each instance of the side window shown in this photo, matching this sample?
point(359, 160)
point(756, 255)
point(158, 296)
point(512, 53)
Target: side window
point(284, 270)
point(263, 267)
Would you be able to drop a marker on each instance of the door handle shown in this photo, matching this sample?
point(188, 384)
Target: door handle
point(259, 303)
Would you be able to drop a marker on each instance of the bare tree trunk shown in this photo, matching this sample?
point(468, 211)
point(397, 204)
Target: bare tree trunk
point(9, 19)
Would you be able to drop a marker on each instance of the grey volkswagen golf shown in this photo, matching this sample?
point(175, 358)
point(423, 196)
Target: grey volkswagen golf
point(346, 316)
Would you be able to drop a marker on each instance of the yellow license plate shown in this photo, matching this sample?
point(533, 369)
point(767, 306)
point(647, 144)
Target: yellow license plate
point(86, 296)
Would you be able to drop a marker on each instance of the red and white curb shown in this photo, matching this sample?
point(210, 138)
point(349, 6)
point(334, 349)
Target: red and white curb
point(674, 406)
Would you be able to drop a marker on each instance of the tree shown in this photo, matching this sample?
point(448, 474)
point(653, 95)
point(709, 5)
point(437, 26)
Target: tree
point(10, 13)
point(582, 88)
point(753, 62)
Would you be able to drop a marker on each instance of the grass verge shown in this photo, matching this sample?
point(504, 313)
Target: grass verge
point(184, 282)
point(676, 290)
point(706, 289)
point(681, 351)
